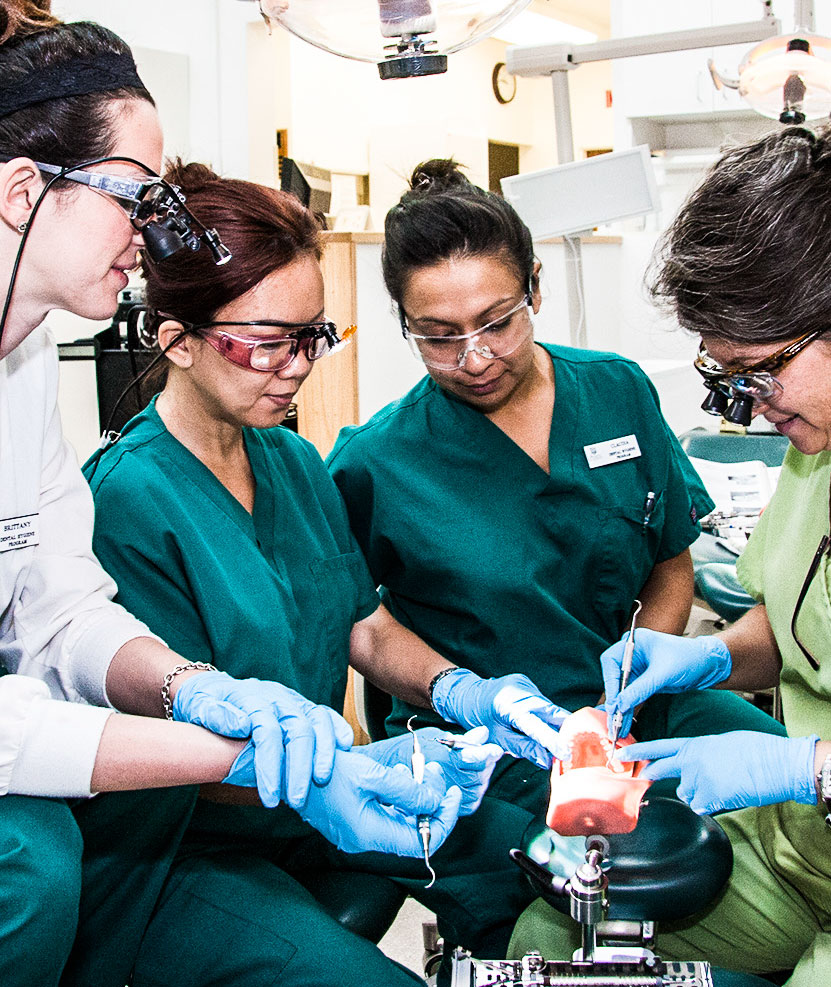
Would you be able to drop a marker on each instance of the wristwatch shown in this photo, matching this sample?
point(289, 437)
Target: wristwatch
point(824, 779)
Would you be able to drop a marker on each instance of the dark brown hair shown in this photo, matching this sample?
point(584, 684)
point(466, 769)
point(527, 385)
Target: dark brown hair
point(69, 129)
point(264, 229)
point(444, 215)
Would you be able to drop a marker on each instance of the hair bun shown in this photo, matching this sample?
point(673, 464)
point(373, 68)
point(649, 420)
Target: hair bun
point(21, 17)
point(437, 175)
point(190, 177)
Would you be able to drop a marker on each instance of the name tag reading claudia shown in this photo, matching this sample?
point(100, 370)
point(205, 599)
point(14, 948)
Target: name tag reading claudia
point(613, 451)
point(19, 532)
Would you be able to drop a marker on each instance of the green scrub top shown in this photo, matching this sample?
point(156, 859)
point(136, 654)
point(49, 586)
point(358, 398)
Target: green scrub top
point(497, 564)
point(273, 595)
point(773, 568)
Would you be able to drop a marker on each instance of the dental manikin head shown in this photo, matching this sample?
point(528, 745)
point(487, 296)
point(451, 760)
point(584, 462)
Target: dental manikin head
point(590, 791)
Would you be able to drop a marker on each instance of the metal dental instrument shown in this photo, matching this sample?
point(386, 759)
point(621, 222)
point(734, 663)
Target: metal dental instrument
point(455, 743)
point(625, 672)
point(422, 822)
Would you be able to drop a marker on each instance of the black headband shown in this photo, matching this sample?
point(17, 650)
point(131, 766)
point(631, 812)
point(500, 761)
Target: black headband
point(86, 74)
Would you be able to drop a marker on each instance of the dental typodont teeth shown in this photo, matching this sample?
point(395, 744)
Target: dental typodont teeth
point(591, 792)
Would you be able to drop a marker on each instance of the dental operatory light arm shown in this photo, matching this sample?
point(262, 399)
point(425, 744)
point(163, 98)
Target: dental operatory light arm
point(557, 61)
point(535, 60)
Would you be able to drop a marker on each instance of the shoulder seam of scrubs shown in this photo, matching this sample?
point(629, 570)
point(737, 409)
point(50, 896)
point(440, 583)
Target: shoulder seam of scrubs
point(118, 454)
point(570, 354)
point(381, 417)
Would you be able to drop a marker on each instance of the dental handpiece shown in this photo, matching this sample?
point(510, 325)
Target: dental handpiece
point(625, 672)
point(422, 822)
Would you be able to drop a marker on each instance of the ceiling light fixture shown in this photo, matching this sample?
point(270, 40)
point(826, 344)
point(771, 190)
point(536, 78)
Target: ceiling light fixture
point(786, 78)
point(404, 38)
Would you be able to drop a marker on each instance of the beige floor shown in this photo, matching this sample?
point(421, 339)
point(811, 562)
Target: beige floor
point(403, 942)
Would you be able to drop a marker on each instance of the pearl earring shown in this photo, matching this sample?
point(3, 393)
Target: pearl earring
point(22, 226)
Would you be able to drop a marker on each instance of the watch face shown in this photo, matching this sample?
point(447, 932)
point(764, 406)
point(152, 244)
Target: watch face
point(825, 778)
point(504, 84)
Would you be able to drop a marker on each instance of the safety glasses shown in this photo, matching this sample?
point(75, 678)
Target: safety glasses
point(268, 354)
point(154, 206)
point(493, 341)
point(144, 199)
point(734, 392)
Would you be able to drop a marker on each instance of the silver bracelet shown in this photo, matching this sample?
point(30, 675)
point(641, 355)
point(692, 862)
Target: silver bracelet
point(187, 667)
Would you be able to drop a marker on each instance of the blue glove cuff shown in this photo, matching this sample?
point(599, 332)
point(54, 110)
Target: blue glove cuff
point(805, 785)
point(443, 685)
point(721, 663)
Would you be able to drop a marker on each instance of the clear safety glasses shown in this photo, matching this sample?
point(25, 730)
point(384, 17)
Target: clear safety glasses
point(493, 341)
point(734, 392)
point(269, 354)
point(143, 199)
point(154, 206)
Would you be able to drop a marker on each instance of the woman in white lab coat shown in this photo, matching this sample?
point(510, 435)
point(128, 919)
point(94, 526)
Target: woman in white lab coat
point(69, 656)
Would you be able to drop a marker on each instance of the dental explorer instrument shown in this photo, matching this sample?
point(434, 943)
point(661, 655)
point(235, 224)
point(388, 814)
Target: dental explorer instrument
point(422, 822)
point(625, 672)
point(455, 743)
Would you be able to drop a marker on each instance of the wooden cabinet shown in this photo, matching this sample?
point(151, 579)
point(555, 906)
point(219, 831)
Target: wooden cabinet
point(328, 399)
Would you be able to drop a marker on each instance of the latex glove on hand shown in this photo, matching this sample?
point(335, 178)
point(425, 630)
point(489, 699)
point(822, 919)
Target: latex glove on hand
point(295, 740)
point(468, 766)
point(661, 663)
point(369, 806)
point(518, 716)
point(731, 770)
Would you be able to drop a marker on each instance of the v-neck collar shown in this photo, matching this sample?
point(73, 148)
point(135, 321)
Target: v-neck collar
point(198, 473)
point(561, 440)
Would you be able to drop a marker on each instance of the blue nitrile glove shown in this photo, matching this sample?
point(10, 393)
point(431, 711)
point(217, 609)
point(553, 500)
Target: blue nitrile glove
point(243, 772)
point(277, 719)
point(661, 663)
point(731, 770)
point(468, 766)
point(368, 806)
point(518, 716)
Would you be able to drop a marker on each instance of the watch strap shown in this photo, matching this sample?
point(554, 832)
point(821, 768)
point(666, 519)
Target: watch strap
point(824, 779)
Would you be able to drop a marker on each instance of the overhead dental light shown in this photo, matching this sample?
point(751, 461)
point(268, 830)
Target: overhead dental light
point(404, 38)
point(788, 77)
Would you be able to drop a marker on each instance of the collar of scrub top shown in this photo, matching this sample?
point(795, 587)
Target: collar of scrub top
point(823, 549)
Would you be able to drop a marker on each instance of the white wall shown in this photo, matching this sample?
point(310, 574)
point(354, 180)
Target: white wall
point(340, 115)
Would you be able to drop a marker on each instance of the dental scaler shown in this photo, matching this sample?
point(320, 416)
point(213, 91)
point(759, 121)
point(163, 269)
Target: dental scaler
point(422, 822)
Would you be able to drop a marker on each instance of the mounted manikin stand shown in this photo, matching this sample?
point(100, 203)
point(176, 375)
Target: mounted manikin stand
point(669, 867)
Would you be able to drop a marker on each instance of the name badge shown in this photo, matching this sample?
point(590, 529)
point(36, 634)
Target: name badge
point(613, 451)
point(19, 532)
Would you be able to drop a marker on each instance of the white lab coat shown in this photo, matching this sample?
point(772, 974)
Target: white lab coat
point(59, 628)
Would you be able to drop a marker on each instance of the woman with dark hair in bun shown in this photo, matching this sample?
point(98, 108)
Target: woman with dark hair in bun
point(239, 552)
point(517, 500)
point(80, 145)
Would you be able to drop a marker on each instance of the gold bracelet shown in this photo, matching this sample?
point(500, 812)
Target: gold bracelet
point(187, 667)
